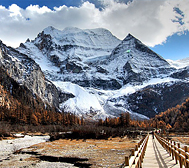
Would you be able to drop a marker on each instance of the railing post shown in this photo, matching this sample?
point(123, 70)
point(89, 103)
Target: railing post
point(170, 147)
point(186, 157)
point(140, 162)
point(172, 151)
point(132, 154)
point(180, 159)
point(136, 148)
point(175, 152)
point(126, 160)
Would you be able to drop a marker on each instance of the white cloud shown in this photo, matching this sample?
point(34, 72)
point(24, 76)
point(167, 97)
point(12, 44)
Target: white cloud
point(149, 20)
point(15, 10)
point(36, 9)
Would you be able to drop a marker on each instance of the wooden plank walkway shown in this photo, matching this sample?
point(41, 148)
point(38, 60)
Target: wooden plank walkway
point(157, 157)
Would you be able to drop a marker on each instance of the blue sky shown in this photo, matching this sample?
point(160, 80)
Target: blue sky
point(162, 25)
point(50, 3)
point(176, 47)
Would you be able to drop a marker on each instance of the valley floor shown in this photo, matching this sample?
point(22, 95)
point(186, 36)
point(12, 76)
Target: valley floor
point(72, 153)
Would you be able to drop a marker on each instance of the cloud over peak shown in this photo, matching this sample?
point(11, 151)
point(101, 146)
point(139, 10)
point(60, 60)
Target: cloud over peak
point(150, 21)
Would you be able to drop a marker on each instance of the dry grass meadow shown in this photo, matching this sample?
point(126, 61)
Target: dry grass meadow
point(96, 153)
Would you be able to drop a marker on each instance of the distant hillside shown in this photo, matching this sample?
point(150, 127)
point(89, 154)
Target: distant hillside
point(176, 118)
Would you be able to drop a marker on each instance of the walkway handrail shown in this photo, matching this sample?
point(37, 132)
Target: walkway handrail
point(176, 152)
point(137, 154)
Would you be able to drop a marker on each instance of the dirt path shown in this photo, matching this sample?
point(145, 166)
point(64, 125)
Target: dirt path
point(156, 156)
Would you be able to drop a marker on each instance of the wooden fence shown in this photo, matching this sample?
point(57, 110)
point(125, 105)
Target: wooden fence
point(137, 154)
point(178, 154)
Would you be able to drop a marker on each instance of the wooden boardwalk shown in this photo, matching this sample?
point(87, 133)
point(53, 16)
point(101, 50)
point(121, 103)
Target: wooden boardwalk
point(157, 157)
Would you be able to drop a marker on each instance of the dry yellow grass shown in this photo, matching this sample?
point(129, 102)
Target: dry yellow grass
point(184, 140)
point(101, 153)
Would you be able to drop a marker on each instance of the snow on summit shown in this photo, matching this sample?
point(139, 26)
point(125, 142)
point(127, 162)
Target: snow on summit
point(94, 38)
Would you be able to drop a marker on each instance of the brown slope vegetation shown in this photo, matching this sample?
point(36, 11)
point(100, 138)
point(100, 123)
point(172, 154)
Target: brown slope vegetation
point(175, 118)
point(18, 105)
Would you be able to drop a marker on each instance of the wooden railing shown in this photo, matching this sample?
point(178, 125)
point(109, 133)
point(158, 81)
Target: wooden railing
point(174, 149)
point(137, 154)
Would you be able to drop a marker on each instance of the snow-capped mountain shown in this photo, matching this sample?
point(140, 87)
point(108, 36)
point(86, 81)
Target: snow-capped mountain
point(98, 75)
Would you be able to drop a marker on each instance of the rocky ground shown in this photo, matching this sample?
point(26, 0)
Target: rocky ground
point(72, 153)
point(9, 148)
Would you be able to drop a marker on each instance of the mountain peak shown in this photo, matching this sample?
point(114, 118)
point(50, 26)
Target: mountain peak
point(132, 42)
point(1, 43)
point(129, 37)
point(50, 30)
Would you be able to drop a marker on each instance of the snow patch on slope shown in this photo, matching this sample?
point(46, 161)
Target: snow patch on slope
point(130, 89)
point(83, 102)
point(39, 57)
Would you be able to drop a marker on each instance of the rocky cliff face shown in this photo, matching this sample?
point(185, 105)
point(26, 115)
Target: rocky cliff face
point(13, 95)
point(26, 72)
